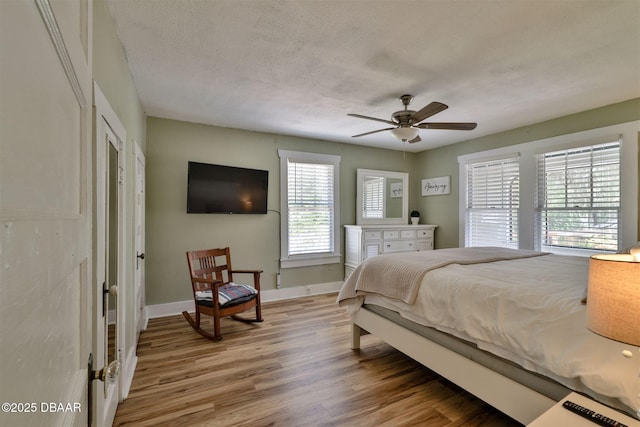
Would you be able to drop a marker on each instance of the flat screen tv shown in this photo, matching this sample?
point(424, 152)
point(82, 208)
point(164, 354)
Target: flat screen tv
point(226, 189)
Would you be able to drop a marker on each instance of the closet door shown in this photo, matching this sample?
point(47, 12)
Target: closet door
point(45, 208)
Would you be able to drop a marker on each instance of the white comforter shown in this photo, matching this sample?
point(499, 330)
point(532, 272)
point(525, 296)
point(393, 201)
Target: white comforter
point(530, 312)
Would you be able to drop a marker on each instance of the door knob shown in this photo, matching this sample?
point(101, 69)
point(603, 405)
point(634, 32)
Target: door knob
point(113, 290)
point(108, 373)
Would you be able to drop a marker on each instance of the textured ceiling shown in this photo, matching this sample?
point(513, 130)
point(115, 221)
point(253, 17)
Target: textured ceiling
point(298, 67)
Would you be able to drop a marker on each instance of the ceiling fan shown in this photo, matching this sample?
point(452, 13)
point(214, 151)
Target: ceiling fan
point(407, 122)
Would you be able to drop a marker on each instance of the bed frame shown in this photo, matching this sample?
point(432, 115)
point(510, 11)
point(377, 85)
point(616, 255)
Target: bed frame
point(520, 402)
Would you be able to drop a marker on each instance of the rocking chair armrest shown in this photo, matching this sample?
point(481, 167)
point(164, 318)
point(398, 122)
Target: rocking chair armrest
point(256, 276)
point(213, 283)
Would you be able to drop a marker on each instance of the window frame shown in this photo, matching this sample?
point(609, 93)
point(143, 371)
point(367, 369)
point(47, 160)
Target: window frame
point(303, 260)
point(529, 234)
point(548, 205)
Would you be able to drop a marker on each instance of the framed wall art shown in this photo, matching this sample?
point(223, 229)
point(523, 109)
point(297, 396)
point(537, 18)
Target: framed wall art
point(436, 186)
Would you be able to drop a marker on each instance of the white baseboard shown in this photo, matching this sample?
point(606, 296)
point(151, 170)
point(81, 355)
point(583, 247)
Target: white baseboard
point(300, 291)
point(269, 295)
point(168, 309)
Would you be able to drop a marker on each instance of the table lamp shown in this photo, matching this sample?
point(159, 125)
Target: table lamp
point(613, 306)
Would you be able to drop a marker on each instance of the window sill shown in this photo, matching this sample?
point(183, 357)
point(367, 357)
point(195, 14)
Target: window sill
point(574, 251)
point(309, 261)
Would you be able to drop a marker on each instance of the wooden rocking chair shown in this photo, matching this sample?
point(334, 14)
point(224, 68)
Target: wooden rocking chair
point(214, 292)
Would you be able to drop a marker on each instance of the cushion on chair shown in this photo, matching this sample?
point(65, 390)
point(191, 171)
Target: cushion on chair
point(228, 295)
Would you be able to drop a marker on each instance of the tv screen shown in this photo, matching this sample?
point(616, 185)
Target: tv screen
point(226, 189)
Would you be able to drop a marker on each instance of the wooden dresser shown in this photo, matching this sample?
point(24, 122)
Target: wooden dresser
point(364, 241)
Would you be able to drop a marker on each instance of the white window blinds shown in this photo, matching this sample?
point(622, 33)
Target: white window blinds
point(492, 203)
point(310, 208)
point(579, 197)
point(373, 197)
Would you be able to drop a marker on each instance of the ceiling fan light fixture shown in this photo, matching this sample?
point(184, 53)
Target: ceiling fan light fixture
point(406, 123)
point(405, 133)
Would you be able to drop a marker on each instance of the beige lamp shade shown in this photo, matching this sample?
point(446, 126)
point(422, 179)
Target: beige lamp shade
point(613, 299)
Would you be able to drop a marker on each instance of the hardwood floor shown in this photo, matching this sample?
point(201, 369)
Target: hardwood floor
point(294, 369)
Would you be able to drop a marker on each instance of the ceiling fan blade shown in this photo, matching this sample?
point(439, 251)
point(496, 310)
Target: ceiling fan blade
point(360, 116)
point(416, 139)
point(369, 133)
point(448, 126)
point(428, 111)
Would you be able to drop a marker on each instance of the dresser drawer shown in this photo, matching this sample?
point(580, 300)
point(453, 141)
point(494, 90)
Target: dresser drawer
point(408, 234)
point(422, 234)
point(391, 234)
point(425, 245)
point(399, 246)
point(372, 235)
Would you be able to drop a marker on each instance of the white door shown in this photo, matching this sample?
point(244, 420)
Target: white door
point(45, 208)
point(110, 290)
point(139, 315)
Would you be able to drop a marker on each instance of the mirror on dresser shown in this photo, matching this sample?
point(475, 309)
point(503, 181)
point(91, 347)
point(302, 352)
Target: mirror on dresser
point(382, 207)
point(382, 197)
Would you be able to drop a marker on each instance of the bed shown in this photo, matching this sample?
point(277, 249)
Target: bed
point(507, 325)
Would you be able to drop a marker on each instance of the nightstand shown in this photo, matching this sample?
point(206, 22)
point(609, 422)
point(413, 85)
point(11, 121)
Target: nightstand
point(558, 416)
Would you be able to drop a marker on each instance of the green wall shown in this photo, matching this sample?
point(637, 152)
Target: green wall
point(443, 210)
point(111, 72)
point(254, 239)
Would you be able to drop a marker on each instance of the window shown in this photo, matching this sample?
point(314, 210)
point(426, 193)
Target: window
point(309, 208)
point(492, 201)
point(579, 197)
